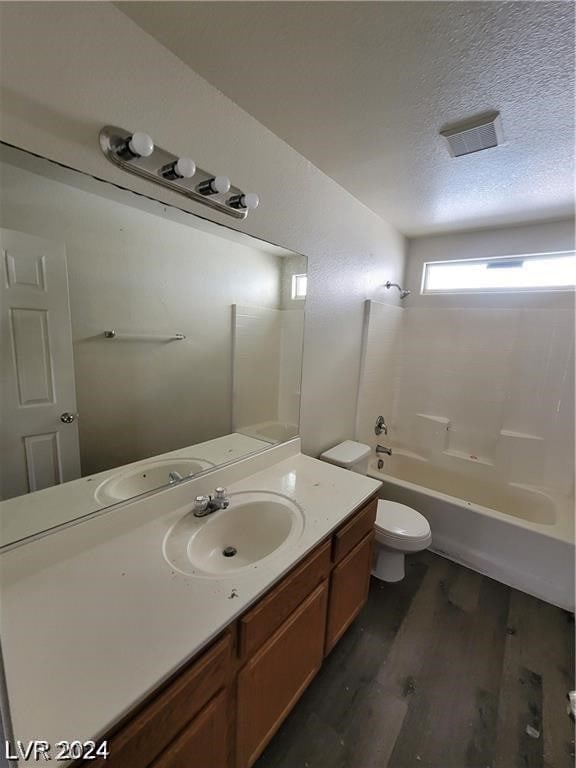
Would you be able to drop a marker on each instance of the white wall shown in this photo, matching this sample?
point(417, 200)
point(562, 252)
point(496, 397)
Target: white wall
point(69, 68)
point(485, 380)
point(140, 273)
point(381, 349)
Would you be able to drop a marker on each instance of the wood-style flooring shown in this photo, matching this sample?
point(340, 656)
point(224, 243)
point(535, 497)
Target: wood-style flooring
point(446, 669)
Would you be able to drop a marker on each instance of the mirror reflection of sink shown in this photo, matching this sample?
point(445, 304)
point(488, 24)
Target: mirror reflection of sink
point(146, 476)
point(254, 526)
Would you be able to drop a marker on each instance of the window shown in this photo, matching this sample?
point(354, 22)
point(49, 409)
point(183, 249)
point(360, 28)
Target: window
point(533, 272)
point(299, 285)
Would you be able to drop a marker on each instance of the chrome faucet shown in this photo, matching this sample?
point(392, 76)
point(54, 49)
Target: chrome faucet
point(205, 505)
point(175, 477)
point(383, 449)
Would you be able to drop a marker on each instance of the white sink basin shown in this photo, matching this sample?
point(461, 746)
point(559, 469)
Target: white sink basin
point(255, 526)
point(146, 476)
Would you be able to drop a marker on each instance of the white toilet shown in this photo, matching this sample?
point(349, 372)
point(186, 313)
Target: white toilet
point(399, 529)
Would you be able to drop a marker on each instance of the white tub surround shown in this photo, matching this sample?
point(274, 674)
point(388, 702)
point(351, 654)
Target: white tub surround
point(519, 534)
point(95, 618)
point(502, 411)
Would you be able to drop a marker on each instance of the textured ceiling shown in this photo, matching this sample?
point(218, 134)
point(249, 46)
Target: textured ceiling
point(362, 88)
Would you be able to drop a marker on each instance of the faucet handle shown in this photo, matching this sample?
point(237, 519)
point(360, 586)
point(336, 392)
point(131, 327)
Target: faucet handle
point(221, 500)
point(380, 427)
point(201, 503)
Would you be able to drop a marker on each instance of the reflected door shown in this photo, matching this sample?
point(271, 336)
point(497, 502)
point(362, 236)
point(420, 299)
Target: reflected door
point(38, 430)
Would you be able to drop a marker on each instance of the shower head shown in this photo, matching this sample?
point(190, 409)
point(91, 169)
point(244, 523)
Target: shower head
point(403, 291)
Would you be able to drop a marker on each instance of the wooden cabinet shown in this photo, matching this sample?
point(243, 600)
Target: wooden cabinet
point(274, 679)
point(348, 535)
point(259, 623)
point(348, 590)
point(139, 742)
point(203, 744)
point(224, 707)
point(275, 676)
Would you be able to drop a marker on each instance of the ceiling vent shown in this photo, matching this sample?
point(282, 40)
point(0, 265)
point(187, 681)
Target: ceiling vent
point(474, 134)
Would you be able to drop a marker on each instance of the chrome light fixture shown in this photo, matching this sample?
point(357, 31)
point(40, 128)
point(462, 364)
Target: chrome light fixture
point(137, 154)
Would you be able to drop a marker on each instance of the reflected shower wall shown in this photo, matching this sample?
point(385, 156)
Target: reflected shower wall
point(267, 361)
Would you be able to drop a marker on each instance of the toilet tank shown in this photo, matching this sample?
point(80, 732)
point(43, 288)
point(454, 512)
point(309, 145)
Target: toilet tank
point(349, 455)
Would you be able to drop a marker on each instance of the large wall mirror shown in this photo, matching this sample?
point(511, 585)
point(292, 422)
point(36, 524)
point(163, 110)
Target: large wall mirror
point(140, 345)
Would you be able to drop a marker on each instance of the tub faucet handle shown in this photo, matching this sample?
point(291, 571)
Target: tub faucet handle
point(380, 428)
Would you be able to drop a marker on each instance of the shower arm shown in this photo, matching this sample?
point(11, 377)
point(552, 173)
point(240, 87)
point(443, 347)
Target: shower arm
point(403, 291)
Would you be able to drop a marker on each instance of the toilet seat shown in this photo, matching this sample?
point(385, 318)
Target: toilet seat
point(400, 527)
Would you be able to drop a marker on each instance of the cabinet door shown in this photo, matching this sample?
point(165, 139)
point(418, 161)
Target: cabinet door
point(275, 678)
point(352, 532)
point(348, 590)
point(203, 744)
point(157, 724)
point(260, 622)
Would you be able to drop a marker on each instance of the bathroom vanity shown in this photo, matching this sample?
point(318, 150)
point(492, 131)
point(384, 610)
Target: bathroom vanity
point(175, 669)
point(225, 706)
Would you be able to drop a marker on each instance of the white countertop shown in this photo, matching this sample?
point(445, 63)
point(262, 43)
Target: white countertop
point(94, 618)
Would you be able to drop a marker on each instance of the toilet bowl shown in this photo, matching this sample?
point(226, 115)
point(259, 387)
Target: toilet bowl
point(399, 529)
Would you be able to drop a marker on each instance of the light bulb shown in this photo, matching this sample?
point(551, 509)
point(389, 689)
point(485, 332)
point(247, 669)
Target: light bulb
point(220, 184)
point(250, 200)
point(185, 168)
point(140, 144)
point(244, 201)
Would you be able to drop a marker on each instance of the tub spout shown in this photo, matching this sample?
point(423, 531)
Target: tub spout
point(383, 449)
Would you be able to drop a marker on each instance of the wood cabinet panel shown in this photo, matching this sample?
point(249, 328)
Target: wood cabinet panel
point(203, 744)
point(346, 538)
point(274, 679)
point(261, 622)
point(348, 590)
point(144, 737)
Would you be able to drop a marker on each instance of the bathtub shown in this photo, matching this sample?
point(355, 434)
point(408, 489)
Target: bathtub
point(518, 534)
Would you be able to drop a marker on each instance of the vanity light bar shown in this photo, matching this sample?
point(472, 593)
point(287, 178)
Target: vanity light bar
point(137, 154)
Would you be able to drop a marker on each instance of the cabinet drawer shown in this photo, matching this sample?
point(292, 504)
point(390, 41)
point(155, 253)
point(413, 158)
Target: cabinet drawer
point(258, 624)
point(145, 736)
point(275, 678)
point(346, 538)
point(348, 590)
point(203, 744)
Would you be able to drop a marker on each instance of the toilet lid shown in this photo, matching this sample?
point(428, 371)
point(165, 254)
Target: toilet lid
point(400, 520)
